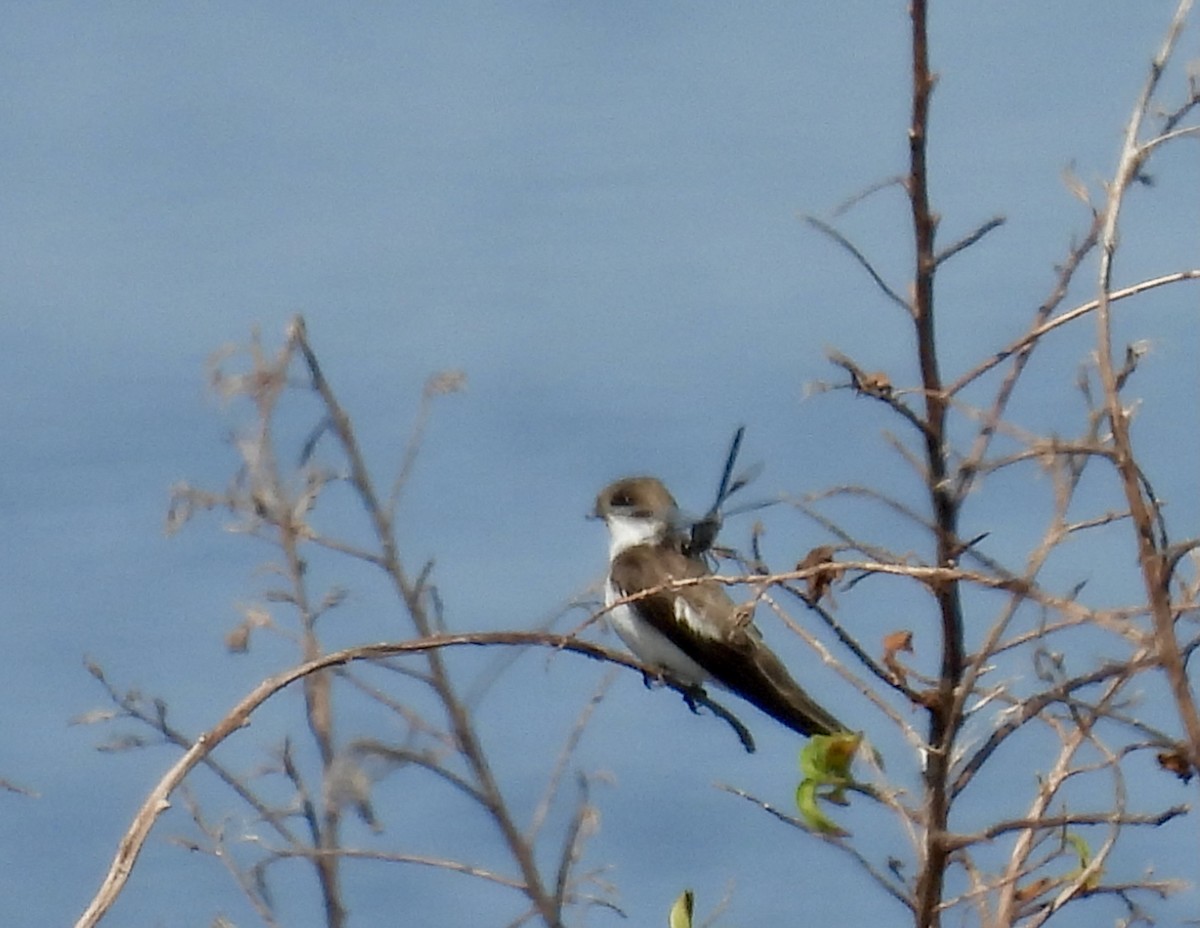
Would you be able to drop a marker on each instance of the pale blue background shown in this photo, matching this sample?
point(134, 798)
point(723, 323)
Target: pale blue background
point(591, 208)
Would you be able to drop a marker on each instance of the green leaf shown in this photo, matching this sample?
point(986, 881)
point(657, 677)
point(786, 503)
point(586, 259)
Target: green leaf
point(827, 758)
point(814, 818)
point(681, 911)
point(825, 764)
point(1084, 853)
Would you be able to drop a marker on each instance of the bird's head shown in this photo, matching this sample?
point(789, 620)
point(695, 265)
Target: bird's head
point(637, 510)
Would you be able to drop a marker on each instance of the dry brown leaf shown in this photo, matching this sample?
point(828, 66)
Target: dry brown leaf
point(1176, 762)
point(827, 573)
point(877, 383)
point(238, 639)
point(893, 643)
point(1031, 891)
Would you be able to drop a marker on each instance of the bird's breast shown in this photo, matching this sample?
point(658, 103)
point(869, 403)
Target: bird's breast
point(648, 644)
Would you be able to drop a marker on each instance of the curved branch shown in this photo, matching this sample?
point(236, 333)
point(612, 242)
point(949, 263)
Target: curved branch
point(862, 259)
point(158, 800)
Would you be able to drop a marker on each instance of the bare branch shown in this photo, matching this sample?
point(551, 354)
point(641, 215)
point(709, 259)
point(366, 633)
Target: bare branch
point(897, 892)
point(1036, 333)
point(858, 256)
point(1142, 508)
point(969, 239)
point(850, 202)
point(157, 801)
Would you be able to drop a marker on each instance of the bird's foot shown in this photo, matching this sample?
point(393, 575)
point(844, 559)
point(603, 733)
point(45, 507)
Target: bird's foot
point(695, 697)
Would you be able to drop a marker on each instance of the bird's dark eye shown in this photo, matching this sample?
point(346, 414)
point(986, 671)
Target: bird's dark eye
point(622, 499)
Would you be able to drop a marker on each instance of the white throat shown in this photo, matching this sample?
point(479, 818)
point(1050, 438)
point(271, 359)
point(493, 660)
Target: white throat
point(627, 532)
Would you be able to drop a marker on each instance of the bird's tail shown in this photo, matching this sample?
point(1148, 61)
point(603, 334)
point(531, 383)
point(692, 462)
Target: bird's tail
point(777, 694)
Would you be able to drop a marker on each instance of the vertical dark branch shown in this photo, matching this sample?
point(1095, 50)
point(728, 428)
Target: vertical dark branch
point(945, 508)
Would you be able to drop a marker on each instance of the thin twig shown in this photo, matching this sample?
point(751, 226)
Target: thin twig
point(1036, 333)
point(858, 256)
point(969, 239)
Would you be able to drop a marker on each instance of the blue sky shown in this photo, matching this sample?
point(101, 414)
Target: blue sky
point(591, 209)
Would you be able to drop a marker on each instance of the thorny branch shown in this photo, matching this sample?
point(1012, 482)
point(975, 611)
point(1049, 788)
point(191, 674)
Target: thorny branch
point(965, 697)
point(1153, 554)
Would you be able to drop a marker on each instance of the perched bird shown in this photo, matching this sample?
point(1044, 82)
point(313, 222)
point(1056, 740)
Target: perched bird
point(693, 632)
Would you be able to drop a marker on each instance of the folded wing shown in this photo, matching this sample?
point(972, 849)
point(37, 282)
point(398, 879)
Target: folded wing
point(704, 623)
